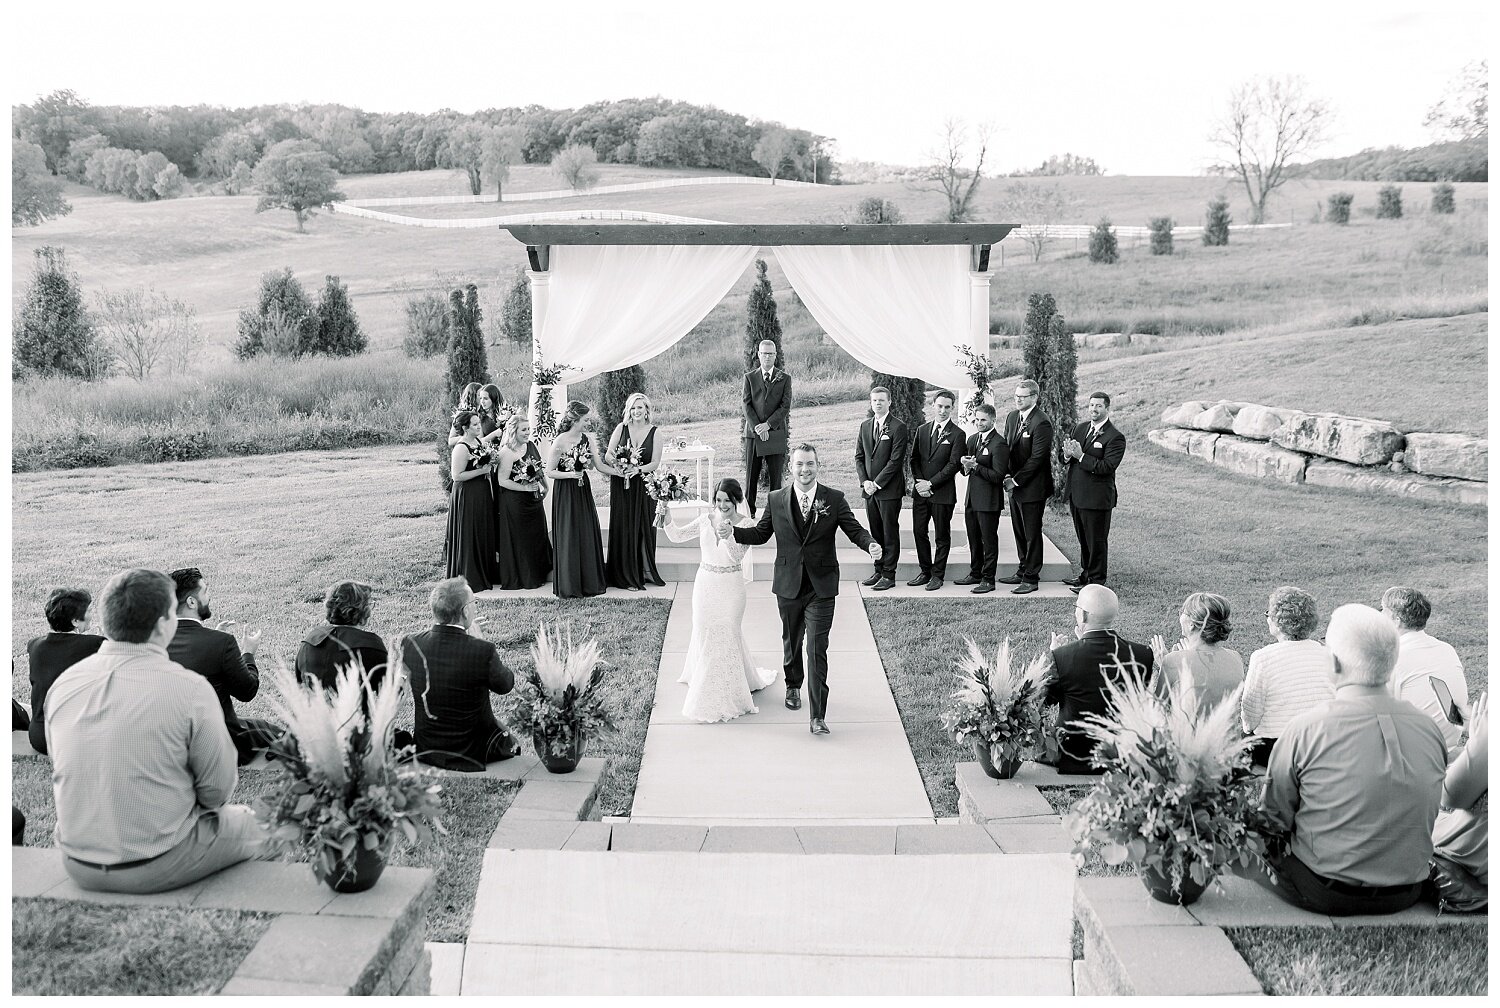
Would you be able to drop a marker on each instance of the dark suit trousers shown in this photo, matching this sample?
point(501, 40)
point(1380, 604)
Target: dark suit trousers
point(1092, 526)
point(924, 510)
point(808, 616)
point(885, 528)
point(253, 735)
point(984, 543)
point(775, 466)
point(1026, 523)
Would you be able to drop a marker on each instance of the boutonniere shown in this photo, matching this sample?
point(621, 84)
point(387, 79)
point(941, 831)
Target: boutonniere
point(819, 510)
point(775, 375)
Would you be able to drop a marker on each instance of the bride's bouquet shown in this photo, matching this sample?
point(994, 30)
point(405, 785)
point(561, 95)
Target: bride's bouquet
point(663, 486)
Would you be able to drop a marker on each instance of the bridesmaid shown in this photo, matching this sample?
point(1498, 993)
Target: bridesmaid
point(486, 401)
point(632, 534)
point(577, 553)
point(525, 551)
point(469, 549)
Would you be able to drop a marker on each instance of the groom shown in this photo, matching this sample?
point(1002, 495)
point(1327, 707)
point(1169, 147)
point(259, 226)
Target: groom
point(804, 517)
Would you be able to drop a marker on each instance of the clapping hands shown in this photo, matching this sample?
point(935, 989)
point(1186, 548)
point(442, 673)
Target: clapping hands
point(1159, 647)
point(1058, 640)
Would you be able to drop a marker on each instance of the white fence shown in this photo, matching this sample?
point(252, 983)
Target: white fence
point(550, 194)
point(531, 218)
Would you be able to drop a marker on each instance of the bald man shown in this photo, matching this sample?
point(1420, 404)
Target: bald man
point(1081, 667)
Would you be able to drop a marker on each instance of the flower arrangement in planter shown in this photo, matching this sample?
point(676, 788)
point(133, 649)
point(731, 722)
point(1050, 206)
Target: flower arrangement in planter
point(994, 708)
point(562, 698)
point(346, 793)
point(1177, 797)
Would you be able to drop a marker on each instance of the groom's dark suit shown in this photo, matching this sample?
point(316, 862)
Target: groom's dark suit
point(807, 578)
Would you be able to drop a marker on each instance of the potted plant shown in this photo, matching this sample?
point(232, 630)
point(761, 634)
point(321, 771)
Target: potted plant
point(562, 698)
point(346, 794)
point(1177, 797)
point(993, 708)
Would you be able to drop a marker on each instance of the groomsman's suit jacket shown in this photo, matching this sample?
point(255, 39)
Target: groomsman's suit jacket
point(805, 547)
point(767, 403)
point(986, 480)
point(936, 458)
point(882, 457)
point(1030, 462)
point(1091, 479)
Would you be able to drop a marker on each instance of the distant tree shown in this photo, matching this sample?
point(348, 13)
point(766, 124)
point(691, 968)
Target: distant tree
point(239, 180)
point(761, 322)
point(149, 332)
point(1216, 231)
point(1039, 209)
point(426, 326)
point(464, 149)
point(946, 172)
point(515, 312)
point(874, 210)
point(1040, 309)
point(467, 361)
point(773, 148)
point(295, 175)
point(614, 388)
point(1059, 398)
point(1104, 246)
point(53, 122)
point(1161, 235)
point(225, 152)
point(502, 148)
point(1389, 206)
point(79, 152)
point(1463, 112)
point(52, 332)
point(1268, 122)
point(35, 195)
point(152, 177)
point(1442, 198)
point(1338, 207)
point(1066, 164)
point(282, 322)
point(338, 333)
point(578, 166)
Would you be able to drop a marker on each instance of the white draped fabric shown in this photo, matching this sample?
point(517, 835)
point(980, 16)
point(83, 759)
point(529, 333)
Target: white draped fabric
point(899, 309)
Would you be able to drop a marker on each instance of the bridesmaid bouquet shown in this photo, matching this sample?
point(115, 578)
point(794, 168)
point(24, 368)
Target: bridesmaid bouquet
point(625, 458)
point(670, 485)
point(526, 471)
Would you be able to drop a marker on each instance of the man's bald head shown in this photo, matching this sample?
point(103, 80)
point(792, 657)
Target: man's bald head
point(1101, 607)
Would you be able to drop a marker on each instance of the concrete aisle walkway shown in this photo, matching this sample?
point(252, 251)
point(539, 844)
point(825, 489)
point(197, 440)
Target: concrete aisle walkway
point(766, 767)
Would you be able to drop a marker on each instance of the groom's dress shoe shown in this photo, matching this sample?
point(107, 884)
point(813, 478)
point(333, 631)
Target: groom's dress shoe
point(1024, 588)
point(935, 584)
point(919, 581)
point(969, 579)
point(884, 584)
point(793, 698)
point(817, 727)
point(981, 588)
point(870, 581)
point(1013, 579)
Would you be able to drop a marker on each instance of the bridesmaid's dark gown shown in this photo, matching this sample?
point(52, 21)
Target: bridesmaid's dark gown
point(525, 552)
point(632, 537)
point(469, 550)
point(577, 549)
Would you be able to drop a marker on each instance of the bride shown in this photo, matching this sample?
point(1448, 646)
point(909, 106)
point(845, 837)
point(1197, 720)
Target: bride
point(718, 672)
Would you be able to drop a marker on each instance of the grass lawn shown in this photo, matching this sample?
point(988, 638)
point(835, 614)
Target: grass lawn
point(69, 948)
point(1367, 960)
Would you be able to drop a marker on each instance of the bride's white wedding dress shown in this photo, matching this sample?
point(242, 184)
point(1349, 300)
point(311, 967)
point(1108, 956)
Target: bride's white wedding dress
point(718, 672)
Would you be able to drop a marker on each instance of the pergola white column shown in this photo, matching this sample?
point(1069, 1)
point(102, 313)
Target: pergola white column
point(979, 310)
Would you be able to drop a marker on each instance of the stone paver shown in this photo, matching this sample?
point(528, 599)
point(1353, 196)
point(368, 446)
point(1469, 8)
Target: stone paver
point(588, 770)
point(638, 837)
point(317, 950)
point(752, 839)
point(1179, 961)
point(1238, 902)
point(447, 967)
point(1123, 902)
point(1030, 838)
point(848, 839)
point(261, 886)
point(592, 836)
point(35, 870)
point(514, 769)
point(516, 832)
point(560, 797)
point(961, 839)
point(983, 799)
point(262, 986)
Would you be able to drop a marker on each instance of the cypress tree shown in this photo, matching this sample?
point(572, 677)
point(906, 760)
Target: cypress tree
point(1040, 308)
point(515, 313)
point(1161, 235)
point(1059, 398)
point(467, 361)
point(761, 322)
point(282, 296)
point(53, 332)
point(338, 331)
point(1216, 231)
point(614, 388)
point(1104, 247)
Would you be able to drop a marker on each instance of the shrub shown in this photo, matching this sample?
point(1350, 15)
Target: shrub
point(338, 333)
point(515, 312)
point(53, 333)
point(1039, 311)
point(1442, 198)
point(426, 326)
point(1216, 231)
point(146, 329)
point(874, 210)
point(282, 322)
point(1390, 203)
point(1161, 235)
point(1104, 246)
point(1338, 207)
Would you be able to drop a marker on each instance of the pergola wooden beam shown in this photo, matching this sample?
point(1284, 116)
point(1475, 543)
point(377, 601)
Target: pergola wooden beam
point(758, 234)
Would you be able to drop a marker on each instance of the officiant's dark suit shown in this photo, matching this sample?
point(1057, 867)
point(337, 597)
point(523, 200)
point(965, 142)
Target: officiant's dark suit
point(1092, 496)
point(1078, 689)
point(1028, 438)
point(806, 582)
point(935, 455)
point(216, 656)
point(767, 401)
point(983, 501)
point(880, 455)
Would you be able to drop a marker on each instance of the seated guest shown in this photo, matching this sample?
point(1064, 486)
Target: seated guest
point(1077, 686)
point(1287, 677)
point(52, 653)
point(142, 764)
point(19, 719)
point(453, 671)
point(17, 827)
point(1424, 657)
point(215, 655)
point(327, 649)
point(1355, 782)
point(1210, 671)
point(1461, 836)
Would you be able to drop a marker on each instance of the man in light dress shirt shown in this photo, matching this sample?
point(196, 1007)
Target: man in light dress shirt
point(1422, 658)
point(142, 763)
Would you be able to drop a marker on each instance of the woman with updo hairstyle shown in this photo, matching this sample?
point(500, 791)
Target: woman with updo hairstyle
point(577, 546)
point(469, 548)
point(341, 638)
point(1206, 669)
point(525, 551)
point(631, 562)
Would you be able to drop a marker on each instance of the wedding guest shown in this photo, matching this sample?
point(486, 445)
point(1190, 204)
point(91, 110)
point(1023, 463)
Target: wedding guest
point(469, 547)
point(17, 827)
point(1080, 669)
point(1422, 659)
point(1200, 662)
point(985, 460)
point(1028, 436)
point(935, 457)
point(1355, 783)
point(216, 656)
point(880, 463)
point(767, 400)
point(453, 671)
point(53, 653)
point(1461, 835)
point(631, 561)
point(525, 551)
point(142, 766)
point(1287, 677)
point(577, 546)
point(328, 649)
point(19, 719)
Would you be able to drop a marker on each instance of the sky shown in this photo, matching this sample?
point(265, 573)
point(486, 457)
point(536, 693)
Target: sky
point(1136, 86)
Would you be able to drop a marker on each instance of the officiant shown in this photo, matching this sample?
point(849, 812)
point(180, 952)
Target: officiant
point(768, 399)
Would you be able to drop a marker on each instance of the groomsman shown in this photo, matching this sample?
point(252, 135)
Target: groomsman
point(879, 462)
point(767, 397)
point(1093, 454)
point(1028, 437)
point(935, 456)
point(985, 460)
